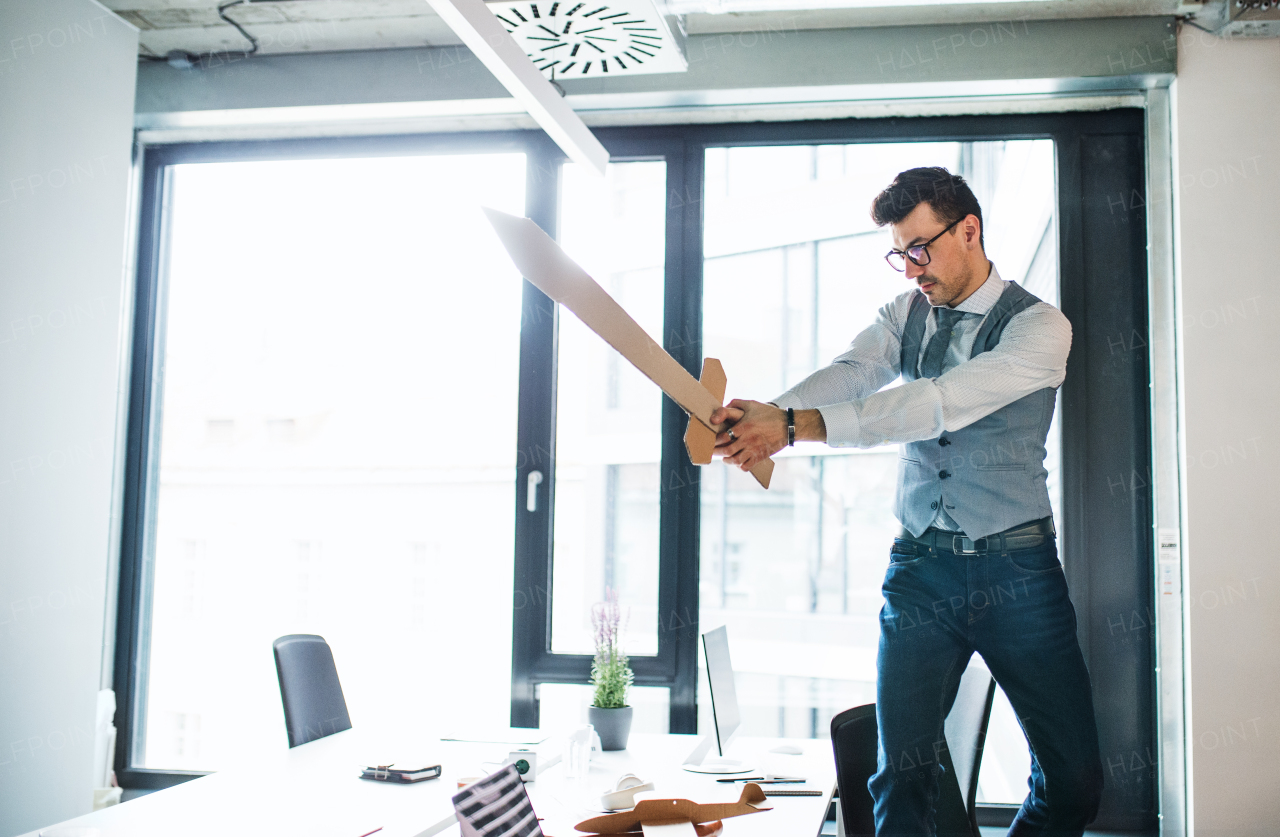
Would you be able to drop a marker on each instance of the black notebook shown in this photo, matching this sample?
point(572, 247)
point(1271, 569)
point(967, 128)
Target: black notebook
point(406, 774)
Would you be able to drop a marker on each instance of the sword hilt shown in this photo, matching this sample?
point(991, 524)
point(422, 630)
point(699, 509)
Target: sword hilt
point(700, 436)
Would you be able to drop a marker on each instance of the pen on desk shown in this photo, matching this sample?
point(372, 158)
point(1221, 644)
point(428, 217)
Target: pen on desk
point(375, 831)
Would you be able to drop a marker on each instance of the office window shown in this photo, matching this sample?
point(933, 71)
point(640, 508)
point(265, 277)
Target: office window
point(794, 269)
point(608, 427)
point(334, 444)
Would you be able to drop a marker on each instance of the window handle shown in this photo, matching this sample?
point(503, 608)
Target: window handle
point(531, 499)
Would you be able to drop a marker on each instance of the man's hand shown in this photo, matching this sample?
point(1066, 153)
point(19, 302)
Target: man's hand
point(757, 431)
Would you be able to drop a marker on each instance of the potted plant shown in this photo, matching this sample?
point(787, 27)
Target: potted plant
point(610, 675)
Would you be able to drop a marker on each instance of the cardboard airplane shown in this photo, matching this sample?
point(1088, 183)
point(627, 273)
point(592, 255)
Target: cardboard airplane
point(675, 816)
point(542, 262)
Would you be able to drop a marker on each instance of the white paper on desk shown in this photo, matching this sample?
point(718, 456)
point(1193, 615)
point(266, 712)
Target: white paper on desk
point(514, 735)
point(671, 829)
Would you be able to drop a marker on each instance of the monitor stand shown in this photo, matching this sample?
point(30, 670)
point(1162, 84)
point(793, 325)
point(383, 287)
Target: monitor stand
point(699, 762)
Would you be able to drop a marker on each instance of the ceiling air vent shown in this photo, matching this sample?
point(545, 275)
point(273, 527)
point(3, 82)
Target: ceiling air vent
point(1252, 19)
point(576, 40)
point(1241, 18)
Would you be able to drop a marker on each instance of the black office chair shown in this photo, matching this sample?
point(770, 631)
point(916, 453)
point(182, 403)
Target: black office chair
point(309, 688)
point(854, 740)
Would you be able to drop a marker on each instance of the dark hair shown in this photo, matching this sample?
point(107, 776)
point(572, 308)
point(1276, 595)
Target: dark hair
point(947, 194)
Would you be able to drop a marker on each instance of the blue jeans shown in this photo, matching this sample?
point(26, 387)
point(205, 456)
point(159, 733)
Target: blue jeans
point(1012, 608)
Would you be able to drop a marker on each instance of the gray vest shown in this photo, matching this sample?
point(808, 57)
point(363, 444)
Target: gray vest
point(992, 472)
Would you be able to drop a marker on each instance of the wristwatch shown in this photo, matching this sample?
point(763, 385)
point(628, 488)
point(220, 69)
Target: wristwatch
point(791, 427)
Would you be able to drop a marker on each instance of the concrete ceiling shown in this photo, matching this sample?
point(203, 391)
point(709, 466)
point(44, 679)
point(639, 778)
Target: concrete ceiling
point(291, 26)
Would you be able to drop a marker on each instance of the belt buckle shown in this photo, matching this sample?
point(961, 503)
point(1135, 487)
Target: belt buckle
point(957, 545)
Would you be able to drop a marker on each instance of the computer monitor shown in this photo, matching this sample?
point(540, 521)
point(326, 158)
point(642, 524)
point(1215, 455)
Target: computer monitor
point(724, 709)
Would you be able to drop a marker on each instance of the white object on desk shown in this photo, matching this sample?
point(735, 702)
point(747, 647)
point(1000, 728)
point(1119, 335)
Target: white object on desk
point(724, 709)
point(719, 766)
point(512, 735)
point(699, 762)
point(577, 753)
point(623, 795)
point(525, 762)
point(670, 829)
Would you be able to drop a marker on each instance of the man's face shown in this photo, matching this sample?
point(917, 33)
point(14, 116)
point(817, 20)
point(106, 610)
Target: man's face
point(949, 276)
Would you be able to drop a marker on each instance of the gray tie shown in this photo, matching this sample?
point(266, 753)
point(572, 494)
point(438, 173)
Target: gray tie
point(936, 352)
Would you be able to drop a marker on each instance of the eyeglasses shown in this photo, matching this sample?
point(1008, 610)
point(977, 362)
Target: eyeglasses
point(919, 254)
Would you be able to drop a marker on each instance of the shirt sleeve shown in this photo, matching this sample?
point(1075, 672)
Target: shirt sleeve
point(871, 361)
point(1031, 355)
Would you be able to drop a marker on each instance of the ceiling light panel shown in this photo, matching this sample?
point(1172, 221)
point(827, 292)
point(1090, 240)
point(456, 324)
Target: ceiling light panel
point(572, 39)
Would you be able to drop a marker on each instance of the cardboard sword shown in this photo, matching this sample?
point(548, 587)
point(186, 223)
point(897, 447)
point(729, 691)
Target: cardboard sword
point(542, 262)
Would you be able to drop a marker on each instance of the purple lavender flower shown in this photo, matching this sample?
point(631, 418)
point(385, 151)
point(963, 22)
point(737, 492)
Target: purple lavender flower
point(610, 669)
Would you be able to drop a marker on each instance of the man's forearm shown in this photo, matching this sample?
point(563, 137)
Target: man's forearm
point(810, 427)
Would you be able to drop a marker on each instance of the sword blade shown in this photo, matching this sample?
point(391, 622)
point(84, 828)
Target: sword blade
point(541, 261)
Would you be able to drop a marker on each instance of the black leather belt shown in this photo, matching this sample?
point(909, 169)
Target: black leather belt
point(1022, 536)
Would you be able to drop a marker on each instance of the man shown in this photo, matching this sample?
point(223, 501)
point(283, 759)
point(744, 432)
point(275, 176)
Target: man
point(975, 567)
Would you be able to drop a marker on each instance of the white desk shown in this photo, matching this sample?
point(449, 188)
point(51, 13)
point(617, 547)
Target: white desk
point(315, 790)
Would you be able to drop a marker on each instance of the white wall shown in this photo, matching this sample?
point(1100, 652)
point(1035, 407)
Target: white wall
point(67, 73)
point(1227, 118)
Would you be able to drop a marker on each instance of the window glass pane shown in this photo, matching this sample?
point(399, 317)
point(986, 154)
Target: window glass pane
point(608, 415)
point(331, 328)
point(794, 270)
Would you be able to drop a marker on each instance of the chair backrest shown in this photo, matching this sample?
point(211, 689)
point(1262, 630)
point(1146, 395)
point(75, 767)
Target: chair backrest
point(854, 741)
point(966, 732)
point(309, 688)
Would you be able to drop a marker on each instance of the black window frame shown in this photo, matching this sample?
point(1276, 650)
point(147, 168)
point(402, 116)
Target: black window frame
point(1108, 539)
point(533, 662)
